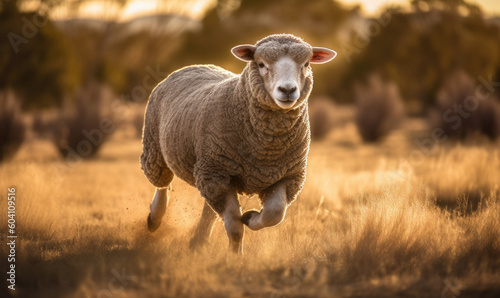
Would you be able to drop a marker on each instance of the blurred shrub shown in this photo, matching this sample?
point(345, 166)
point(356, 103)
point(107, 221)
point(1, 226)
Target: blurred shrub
point(13, 128)
point(322, 117)
point(83, 128)
point(379, 108)
point(460, 114)
point(40, 125)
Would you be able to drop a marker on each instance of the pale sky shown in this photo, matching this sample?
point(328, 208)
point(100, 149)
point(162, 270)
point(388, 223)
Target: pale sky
point(490, 7)
point(196, 8)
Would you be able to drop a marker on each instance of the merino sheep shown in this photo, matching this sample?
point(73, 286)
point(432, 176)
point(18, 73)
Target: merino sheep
point(228, 134)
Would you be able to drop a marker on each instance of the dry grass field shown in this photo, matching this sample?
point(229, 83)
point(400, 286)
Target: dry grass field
point(373, 219)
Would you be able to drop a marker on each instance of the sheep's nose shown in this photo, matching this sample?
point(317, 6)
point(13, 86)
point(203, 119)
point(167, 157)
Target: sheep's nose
point(288, 90)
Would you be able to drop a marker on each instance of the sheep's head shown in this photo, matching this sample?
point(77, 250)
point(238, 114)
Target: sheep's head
point(283, 62)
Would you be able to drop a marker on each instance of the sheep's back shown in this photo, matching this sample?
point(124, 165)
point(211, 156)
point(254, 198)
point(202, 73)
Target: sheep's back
point(182, 98)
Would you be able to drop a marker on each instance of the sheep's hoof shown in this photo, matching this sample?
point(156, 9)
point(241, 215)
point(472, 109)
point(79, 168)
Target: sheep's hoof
point(152, 225)
point(245, 218)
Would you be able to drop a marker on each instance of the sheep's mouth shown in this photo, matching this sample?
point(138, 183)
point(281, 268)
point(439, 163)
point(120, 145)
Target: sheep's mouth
point(285, 103)
point(284, 98)
point(287, 100)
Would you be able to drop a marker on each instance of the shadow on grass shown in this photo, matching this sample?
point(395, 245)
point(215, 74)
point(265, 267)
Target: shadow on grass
point(463, 205)
point(89, 266)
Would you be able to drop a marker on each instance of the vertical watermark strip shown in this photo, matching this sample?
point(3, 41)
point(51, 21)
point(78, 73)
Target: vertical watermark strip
point(11, 238)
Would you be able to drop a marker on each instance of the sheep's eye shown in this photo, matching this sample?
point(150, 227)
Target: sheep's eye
point(262, 65)
point(306, 65)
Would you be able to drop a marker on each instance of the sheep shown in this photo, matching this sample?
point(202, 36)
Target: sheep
point(229, 134)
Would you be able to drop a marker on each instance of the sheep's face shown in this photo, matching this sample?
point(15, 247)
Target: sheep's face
point(284, 79)
point(284, 67)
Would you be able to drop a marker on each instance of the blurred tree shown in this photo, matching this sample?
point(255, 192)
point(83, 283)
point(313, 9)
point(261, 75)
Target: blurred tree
point(418, 49)
point(35, 60)
point(129, 60)
point(91, 44)
point(43, 64)
point(232, 22)
point(454, 6)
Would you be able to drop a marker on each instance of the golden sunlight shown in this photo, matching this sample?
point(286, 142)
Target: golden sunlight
point(197, 8)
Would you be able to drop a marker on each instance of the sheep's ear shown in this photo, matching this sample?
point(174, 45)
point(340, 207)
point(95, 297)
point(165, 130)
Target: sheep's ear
point(244, 52)
point(322, 55)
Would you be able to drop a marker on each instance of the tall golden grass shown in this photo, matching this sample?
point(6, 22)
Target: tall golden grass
point(363, 225)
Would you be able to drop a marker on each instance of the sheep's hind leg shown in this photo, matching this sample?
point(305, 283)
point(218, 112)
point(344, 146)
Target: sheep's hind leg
point(273, 211)
point(157, 172)
point(159, 204)
point(158, 207)
point(204, 227)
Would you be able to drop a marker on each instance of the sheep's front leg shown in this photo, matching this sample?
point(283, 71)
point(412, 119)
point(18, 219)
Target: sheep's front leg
point(273, 211)
point(158, 208)
point(223, 198)
point(232, 222)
